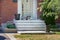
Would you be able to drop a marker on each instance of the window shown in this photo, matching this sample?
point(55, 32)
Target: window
point(14, 0)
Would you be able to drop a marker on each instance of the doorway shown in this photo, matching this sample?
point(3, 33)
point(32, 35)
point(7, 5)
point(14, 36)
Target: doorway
point(27, 8)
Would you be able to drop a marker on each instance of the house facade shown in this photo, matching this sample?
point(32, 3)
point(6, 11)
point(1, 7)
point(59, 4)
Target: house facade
point(8, 8)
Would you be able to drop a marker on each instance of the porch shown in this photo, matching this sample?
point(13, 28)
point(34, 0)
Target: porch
point(26, 20)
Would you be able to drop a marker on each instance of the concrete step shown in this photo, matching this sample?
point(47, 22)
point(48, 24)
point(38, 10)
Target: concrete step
point(30, 25)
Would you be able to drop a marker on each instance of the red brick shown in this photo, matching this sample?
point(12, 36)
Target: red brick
point(8, 9)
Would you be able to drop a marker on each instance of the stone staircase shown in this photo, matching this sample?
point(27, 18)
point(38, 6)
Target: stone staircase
point(30, 25)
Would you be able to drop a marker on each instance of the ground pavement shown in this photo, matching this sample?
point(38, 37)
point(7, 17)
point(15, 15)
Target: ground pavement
point(4, 37)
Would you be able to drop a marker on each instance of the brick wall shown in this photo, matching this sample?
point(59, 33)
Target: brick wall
point(0, 11)
point(38, 11)
point(58, 20)
point(8, 9)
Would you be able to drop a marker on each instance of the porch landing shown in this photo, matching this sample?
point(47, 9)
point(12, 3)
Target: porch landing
point(31, 32)
point(34, 32)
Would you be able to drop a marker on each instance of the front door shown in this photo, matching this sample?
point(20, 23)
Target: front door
point(27, 9)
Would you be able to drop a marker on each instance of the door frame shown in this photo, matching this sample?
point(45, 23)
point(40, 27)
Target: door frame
point(19, 10)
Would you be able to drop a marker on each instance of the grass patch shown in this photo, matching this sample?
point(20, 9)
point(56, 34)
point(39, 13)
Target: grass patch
point(38, 36)
point(30, 37)
point(23, 36)
point(57, 32)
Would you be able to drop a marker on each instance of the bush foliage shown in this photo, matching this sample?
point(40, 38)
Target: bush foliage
point(50, 10)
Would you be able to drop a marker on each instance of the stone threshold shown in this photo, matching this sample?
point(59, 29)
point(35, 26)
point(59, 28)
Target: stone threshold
point(41, 32)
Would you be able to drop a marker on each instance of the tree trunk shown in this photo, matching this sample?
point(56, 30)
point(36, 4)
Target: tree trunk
point(48, 29)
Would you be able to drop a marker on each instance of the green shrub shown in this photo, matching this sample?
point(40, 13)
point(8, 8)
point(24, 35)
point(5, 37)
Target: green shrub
point(53, 26)
point(50, 11)
point(11, 26)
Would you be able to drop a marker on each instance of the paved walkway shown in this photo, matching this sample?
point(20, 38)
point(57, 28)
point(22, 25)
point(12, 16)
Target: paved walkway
point(11, 35)
point(7, 36)
point(4, 37)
